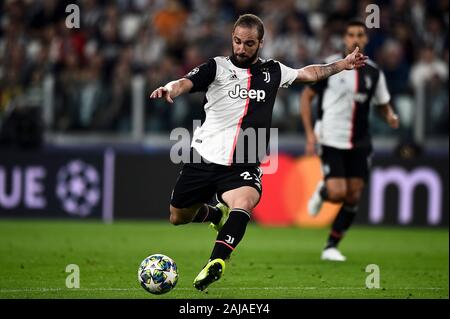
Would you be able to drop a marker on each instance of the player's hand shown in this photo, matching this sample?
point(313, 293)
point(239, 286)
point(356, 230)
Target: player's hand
point(393, 121)
point(310, 149)
point(355, 60)
point(161, 92)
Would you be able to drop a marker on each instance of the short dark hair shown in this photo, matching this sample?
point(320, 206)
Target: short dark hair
point(355, 23)
point(249, 21)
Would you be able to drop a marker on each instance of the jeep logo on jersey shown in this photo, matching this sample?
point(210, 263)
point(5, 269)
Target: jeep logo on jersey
point(259, 95)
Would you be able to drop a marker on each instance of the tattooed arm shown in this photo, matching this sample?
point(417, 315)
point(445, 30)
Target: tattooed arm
point(317, 72)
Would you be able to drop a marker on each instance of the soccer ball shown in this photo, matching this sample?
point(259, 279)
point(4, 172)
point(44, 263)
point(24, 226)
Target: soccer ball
point(158, 274)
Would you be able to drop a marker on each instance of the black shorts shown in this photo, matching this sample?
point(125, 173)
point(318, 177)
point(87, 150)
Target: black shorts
point(199, 182)
point(341, 163)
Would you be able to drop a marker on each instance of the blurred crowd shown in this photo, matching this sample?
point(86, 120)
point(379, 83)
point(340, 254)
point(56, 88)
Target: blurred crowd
point(89, 71)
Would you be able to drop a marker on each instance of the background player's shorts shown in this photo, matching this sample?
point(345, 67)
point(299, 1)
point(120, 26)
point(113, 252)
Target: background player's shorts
point(199, 182)
point(340, 163)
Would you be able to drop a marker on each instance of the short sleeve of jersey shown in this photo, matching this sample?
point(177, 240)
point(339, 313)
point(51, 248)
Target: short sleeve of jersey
point(381, 95)
point(202, 76)
point(288, 75)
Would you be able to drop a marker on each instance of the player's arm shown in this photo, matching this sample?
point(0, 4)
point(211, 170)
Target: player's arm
point(197, 80)
point(388, 114)
point(317, 72)
point(306, 99)
point(172, 89)
point(381, 99)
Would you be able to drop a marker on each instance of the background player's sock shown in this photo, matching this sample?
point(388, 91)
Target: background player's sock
point(207, 213)
point(341, 224)
point(231, 234)
point(323, 192)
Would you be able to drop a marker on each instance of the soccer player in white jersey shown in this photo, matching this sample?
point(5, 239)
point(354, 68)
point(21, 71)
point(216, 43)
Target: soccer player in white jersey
point(240, 94)
point(342, 131)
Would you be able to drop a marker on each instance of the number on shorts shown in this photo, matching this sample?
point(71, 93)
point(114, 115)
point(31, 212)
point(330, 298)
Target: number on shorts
point(246, 176)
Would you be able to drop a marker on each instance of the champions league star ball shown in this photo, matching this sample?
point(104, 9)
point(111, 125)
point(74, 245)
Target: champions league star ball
point(158, 274)
point(78, 188)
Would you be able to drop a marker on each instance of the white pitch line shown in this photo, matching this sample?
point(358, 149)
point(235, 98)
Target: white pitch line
point(217, 288)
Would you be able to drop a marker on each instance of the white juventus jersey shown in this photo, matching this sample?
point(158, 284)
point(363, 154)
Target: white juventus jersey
point(344, 102)
point(236, 99)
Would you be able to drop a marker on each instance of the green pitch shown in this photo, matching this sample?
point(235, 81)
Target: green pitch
point(269, 262)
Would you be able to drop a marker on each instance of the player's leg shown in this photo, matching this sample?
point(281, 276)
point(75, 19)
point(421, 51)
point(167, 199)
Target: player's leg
point(357, 167)
point(192, 190)
point(218, 223)
point(337, 188)
point(199, 213)
point(355, 187)
point(333, 187)
point(357, 171)
point(181, 216)
point(344, 219)
point(241, 202)
point(334, 190)
point(240, 189)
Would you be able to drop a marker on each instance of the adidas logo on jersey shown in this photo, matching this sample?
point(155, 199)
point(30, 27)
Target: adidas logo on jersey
point(233, 75)
point(252, 94)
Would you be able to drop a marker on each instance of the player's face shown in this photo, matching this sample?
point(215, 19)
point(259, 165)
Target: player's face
point(355, 36)
point(245, 45)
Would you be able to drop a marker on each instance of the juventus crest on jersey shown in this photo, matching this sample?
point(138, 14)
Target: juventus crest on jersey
point(238, 106)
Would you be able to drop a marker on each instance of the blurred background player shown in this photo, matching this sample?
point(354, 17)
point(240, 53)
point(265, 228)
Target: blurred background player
point(342, 131)
point(240, 94)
